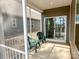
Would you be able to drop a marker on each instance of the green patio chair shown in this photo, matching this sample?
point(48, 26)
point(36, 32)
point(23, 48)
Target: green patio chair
point(33, 43)
point(41, 37)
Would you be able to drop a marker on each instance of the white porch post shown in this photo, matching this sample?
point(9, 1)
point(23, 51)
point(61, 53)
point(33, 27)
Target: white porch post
point(30, 21)
point(44, 26)
point(24, 2)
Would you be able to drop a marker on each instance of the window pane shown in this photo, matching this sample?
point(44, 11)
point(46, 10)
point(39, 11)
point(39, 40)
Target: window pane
point(77, 18)
point(35, 25)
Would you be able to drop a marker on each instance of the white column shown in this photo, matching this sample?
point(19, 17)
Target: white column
point(30, 21)
point(24, 2)
point(41, 24)
point(44, 26)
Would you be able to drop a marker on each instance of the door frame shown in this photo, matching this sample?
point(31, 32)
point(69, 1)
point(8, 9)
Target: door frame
point(64, 41)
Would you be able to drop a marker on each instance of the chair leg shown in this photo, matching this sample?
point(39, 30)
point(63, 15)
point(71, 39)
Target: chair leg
point(36, 48)
point(39, 44)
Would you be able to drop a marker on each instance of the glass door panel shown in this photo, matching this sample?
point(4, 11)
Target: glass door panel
point(60, 28)
point(49, 28)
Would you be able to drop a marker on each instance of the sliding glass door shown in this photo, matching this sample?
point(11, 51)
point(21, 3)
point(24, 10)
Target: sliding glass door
point(55, 28)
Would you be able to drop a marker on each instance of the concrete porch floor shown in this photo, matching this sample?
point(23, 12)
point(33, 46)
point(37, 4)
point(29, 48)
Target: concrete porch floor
point(51, 51)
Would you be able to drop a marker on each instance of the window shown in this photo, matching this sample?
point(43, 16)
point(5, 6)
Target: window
point(35, 25)
point(77, 19)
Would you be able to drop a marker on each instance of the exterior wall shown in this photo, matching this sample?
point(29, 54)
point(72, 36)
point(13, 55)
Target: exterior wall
point(35, 14)
point(57, 11)
point(77, 8)
point(61, 11)
point(74, 50)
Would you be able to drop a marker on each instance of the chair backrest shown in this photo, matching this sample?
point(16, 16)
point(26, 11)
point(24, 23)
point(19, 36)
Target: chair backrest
point(40, 35)
point(29, 40)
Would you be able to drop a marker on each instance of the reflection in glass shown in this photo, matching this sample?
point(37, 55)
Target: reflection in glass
point(59, 28)
point(77, 18)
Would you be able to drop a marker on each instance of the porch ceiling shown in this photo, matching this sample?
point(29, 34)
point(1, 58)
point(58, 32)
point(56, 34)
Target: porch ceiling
point(48, 4)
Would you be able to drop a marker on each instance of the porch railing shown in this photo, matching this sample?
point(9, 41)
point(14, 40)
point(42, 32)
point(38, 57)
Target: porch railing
point(10, 53)
point(15, 42)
